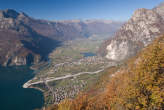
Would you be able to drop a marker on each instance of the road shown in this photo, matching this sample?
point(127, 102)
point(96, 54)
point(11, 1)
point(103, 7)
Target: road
point(27, 84)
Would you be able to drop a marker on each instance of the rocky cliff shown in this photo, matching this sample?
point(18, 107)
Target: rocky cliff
point(137, 33)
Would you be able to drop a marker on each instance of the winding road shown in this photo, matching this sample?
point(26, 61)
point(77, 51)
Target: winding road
point(27, 84)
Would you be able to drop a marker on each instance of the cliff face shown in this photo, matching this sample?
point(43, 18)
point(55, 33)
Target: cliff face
point(137, 33)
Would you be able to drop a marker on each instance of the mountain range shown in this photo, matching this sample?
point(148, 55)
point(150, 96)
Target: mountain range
point(25, 40)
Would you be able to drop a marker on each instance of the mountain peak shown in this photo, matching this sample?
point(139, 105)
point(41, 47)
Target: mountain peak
point(160, 9)
point(8, 13)
point(144, 26)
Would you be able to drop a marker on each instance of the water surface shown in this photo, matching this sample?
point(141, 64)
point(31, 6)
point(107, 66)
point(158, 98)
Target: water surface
point(12, 95)
point(88, 54)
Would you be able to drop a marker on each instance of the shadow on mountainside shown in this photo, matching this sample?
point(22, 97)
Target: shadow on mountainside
point(41, 45)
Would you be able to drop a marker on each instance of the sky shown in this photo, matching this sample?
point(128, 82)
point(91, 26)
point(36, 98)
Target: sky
point(118, 10)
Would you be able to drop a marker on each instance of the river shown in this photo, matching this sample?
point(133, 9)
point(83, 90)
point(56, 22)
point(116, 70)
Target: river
point(12, 95)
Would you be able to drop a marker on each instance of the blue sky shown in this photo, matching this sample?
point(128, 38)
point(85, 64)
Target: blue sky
point(79, 9)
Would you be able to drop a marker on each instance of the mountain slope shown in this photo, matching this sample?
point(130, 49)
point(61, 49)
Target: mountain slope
point(19, 43)
point(137, 33)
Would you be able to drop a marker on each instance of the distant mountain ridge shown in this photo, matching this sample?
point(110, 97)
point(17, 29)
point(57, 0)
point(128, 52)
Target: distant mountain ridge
point(95, 26)
point(25, 40)
point(143, 27)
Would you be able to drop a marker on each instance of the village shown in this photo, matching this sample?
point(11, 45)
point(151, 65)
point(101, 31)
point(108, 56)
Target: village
point(67, 79)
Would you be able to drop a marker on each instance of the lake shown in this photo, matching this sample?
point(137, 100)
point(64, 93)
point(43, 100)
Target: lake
point(88, 54)
point(12, 95)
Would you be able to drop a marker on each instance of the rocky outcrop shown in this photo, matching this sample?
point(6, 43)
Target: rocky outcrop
point(137, 33)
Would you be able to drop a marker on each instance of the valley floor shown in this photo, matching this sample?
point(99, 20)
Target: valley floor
point(72, 68)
